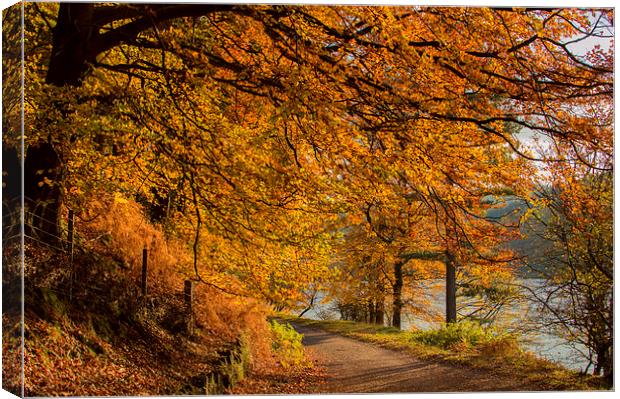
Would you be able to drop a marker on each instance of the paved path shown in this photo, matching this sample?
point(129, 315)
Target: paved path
point(354, 367)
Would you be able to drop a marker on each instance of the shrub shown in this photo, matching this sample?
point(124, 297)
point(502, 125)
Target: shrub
point(465, 333)
point(286, 344)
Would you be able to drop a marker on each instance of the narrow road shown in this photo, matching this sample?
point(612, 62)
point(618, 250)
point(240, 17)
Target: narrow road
point(355, 367)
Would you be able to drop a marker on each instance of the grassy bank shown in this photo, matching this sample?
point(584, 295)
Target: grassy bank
point(466, 345)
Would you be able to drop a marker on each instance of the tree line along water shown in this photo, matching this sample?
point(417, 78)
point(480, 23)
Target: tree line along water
point(522, 318)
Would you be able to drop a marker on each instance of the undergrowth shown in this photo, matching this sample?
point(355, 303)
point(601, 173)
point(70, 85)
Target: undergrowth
point(232, 369)
point(464, 334)
point(97, 335)
point(287, 345)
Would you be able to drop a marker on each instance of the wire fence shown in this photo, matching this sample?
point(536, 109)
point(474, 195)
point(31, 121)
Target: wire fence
point(32, 224)
point(60, 236)
point(31, 230)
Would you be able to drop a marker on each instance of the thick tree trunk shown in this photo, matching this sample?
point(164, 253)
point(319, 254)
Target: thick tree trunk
point(379, 313)
point(604, 362)
point(76, 43)
point(11, 189)
point(70, 57)
point(72, 48)
point(42, 193)
point(397, 289)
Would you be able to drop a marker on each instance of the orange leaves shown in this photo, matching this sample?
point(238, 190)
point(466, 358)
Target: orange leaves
point(270, 124)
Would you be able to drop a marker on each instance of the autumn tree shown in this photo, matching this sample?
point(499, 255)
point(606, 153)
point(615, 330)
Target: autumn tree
point(382, 57)
point(413, 232)
point(229, 183)
point(575, 215)
point(241, 118)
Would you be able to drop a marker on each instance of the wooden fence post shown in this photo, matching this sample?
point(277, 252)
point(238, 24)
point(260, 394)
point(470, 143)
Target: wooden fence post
point(144, 270)
point(189, 299)
point(450, 289)
point(70, 239)
point(70, 229)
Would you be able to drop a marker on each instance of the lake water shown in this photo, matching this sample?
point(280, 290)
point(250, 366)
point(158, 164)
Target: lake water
point(541, 343)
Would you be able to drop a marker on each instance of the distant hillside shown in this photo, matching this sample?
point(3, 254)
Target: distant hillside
point(532, 246)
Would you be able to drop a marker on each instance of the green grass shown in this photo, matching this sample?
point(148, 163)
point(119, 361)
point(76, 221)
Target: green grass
point(468, 344)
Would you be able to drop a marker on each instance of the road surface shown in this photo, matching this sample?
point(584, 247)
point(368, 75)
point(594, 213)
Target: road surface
point(355, 367)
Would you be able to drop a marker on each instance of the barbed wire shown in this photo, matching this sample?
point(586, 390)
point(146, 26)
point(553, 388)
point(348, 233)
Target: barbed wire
point(6, 239)
point(31, 214)
point(47, 234)
point(45, 243)
point(28, 216)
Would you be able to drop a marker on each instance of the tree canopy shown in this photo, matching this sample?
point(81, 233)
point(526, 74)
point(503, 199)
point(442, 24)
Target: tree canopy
point(259, 134)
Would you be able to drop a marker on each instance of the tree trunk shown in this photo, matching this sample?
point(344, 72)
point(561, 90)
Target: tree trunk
point(450, 289)
point(379, 313)
point(371, 312)
point(397, 288)
point(11, 191)
point(604, 362)
point(72, 44)
point(72, 51)
point(42, 193)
